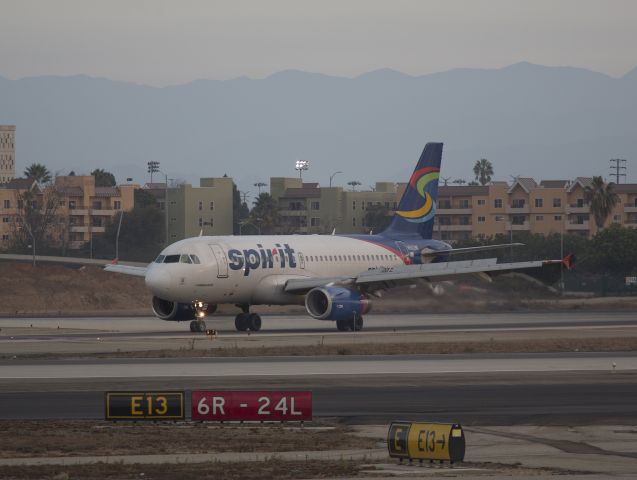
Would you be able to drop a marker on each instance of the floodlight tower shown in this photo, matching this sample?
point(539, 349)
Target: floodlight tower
point(302, 165)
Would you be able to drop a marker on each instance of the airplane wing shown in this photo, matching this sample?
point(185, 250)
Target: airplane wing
point(126, 269)
point(484, 269)
point(483, 248)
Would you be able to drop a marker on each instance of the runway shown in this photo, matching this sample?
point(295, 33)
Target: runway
point(290, 325)
point(504, 389)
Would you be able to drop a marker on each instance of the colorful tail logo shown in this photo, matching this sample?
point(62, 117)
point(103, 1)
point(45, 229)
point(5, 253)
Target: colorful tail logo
point(419, 180)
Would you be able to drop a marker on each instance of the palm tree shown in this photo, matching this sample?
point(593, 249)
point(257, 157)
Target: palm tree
point(483, 169)
point(354, 184)
point(265, 213)
point(38, 172)
point(601, 198)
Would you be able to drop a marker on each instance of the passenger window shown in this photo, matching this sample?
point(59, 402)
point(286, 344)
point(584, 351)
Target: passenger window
point(185, 259)
point(160, 259)
point(171, 259)
point(195, 259)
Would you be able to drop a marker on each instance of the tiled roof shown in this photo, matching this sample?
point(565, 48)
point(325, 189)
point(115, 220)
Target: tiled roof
point(71, 191)
point(456, 191)
point(554, 183)
point(625, 188)
point(582, 181)
point(19, 184)
point(526, 183)
point(107, 192)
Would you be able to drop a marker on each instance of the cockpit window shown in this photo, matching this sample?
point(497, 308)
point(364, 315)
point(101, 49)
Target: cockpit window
point(172, 259)
point(185, 259)
point(160, 259)
point(195, 259)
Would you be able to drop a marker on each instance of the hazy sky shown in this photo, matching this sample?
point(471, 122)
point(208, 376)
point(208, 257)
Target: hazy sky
point(161, 42)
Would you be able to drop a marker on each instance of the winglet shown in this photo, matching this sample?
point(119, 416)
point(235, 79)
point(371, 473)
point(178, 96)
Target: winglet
point(568, 261)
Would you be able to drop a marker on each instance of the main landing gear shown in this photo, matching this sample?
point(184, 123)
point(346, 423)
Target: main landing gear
point(201, 310)
point(246, 320)
point(350, 324)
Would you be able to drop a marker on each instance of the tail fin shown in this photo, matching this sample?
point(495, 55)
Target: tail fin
point(417, 207)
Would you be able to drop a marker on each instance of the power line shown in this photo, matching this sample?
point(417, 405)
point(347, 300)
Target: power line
point(620, 164)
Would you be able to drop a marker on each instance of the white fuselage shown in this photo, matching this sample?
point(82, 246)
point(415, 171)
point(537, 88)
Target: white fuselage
point(253, 269)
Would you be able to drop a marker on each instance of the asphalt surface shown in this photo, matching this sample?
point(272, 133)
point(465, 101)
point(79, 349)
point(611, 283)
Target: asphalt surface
point(151, 327)
point(542, 389)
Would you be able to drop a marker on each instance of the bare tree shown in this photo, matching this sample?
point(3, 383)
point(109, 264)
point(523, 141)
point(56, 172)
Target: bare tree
point(36, 215)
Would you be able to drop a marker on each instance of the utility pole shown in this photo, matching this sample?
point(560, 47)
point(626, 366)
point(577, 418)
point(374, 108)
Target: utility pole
point(620, 164)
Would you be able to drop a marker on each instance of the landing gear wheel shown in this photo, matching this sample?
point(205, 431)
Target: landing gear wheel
point(254, 322)
point(194, 327)
point(344, 325)
point(201, 326)
point(241, 322)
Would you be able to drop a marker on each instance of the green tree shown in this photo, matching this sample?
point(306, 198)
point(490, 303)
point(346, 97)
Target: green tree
point(612, 251)
point(265, 213)
point(103, 178)
point(38, 172)
point(377, 218)
point(483, 169)
point(141, 237)
point(143, 198)
point(601, 198)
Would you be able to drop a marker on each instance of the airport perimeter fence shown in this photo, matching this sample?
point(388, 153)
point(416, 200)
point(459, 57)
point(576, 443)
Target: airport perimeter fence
point(602, 285)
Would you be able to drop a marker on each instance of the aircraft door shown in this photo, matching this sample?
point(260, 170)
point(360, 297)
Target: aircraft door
point(301, 260)
point(222, 260)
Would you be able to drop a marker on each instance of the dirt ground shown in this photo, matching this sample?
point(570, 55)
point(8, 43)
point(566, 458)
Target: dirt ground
point(60, 438)
point(269, 469)
point(52, 289)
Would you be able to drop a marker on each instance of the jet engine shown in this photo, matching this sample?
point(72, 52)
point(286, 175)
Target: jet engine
point(336, 303)
point(167, 310)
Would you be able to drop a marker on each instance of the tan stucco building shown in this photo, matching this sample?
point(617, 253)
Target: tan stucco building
point(551, 206)
point(308, 208)
point(7, 153)
point(205, 209)
point(84, 208)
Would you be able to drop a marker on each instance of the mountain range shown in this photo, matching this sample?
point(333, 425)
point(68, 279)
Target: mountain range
point(530, 120)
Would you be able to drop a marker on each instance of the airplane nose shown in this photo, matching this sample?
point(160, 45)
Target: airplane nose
point(158, 280)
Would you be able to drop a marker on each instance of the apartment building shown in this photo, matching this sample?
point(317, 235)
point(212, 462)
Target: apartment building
point(309, 208)
point(192, 210)
point(84, 208)
point(10, 208)
point(7, 153)
point(551, 206)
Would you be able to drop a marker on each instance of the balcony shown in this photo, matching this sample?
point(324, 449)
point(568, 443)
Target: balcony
point(515, 210)
point(293, 213)
point(574, 208)
point(103, 211)
point(454, 228)
point(98, 229)
point(78, 211)
point(630, 208)
point(76, 244)
point(454, 211)
point(79, 228)
point(577, 226)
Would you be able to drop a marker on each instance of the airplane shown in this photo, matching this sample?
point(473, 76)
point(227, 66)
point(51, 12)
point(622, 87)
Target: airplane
point(334, 276)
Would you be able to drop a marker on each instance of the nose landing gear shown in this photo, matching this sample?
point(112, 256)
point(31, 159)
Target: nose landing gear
point(201, 310)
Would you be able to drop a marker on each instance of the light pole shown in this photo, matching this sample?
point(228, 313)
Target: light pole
point(300, 166)
point(119, 226)
point(332, 176)
point(260, 185)
point(153, 167)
